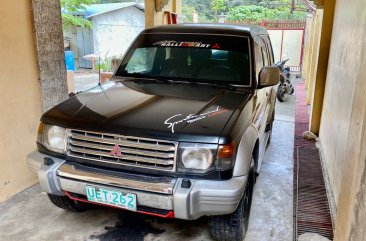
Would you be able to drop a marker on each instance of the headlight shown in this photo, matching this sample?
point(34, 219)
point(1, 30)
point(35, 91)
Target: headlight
point(201, 158)
point(52, 137)
point(196, 157)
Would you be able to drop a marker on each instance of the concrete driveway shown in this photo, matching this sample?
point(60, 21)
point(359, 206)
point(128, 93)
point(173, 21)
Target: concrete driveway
point(30, 216)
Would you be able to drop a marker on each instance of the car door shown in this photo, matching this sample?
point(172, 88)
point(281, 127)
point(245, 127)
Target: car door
point(269, 60)
point(261, 95)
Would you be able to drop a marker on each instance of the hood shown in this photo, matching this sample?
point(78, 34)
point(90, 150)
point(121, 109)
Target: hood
point(177, 112)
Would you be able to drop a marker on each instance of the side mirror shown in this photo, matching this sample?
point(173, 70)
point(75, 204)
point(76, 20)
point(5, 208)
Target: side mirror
point(269, 76)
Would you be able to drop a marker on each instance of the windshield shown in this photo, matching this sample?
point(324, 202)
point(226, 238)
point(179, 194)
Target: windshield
point(194, 58)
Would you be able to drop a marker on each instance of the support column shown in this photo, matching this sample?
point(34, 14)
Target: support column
point(149, 13)
point(322, 66)
point(50, 51)
point(310, 56)
point(314, 54)
point(177, 6)
point(308, 46)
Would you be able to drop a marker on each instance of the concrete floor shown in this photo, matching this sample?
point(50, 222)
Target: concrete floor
point(30, 216)
point(85, 80)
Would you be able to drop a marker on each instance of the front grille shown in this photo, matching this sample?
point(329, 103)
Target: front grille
point(136, 152)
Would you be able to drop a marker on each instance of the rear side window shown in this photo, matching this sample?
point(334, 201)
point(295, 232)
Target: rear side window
point(196, 58)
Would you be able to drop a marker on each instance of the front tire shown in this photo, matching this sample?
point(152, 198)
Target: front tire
point(269, 128)
point(233, 227)
point(67, 203)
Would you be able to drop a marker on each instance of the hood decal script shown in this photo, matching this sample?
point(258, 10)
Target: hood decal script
point(177, 119)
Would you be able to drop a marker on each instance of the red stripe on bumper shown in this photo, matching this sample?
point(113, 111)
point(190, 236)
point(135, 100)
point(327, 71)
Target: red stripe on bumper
point(170, 214)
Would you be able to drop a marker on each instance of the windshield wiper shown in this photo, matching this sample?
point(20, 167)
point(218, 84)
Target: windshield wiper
point(220, 85)
point(142, 78)
point(136, 75)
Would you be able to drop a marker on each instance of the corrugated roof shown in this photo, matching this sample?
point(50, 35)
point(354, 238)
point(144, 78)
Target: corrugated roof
point(96, 9)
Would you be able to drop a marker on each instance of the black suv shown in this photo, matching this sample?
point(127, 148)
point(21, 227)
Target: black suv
point(179, 131)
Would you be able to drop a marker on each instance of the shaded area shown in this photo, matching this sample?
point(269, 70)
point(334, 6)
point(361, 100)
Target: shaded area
point(311, 208)
point(137, 227)
point(128, 227)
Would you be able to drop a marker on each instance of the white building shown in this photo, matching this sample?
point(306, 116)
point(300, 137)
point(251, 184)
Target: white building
point(115, 26)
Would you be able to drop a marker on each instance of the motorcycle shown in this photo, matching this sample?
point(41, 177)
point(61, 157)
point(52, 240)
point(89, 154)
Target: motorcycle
point(285, 86)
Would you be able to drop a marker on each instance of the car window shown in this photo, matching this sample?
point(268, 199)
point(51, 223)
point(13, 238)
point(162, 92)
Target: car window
point(142, 60)
point(195, 58)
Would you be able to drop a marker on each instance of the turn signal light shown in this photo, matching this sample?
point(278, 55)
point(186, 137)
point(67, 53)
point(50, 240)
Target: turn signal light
point(40, 128)
point(226, 151)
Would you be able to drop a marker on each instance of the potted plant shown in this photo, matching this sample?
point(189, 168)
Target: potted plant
point(105, 68)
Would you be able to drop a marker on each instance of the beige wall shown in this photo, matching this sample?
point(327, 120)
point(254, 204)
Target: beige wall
point(20, 101)
point(291, 42)
point(342, 130)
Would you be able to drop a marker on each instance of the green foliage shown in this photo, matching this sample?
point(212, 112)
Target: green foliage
point(240, 10)
point(218, 6)
point(201, 7)
point(70, 17)
point(69, 20)
point(188, 12)
point(257, 13)
point(105, 65)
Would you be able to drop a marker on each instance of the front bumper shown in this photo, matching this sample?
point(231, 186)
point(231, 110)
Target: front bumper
point(203, 197)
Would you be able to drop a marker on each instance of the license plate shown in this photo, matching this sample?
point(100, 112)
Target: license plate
point(111, 197)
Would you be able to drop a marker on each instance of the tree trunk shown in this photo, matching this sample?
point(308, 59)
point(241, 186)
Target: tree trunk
point(50, 51)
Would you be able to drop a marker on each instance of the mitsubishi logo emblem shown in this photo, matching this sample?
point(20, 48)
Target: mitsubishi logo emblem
point(116, 151)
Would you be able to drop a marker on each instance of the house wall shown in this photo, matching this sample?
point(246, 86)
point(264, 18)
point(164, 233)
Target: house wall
point(113, 32)
point(20, 97)
point(290, 44)
point(343, 120)
point(71, 34)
